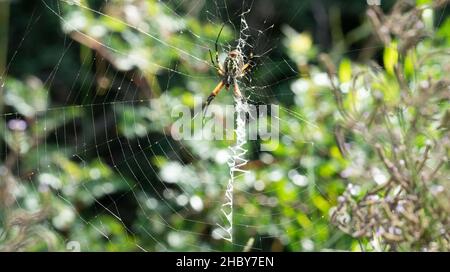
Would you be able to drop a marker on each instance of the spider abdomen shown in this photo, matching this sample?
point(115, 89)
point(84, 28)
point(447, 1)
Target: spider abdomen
point(233, 65)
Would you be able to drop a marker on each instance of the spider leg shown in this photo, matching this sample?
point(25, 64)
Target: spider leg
point(217, 56)
point(216, 46)
point(214, 93)
point(217, 50)
point(212, 60)
point(220, 70)
point(216, 65)
point(248, 65)
point(245, 69)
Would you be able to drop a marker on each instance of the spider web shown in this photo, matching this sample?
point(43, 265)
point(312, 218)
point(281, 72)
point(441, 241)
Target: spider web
point(166, 179)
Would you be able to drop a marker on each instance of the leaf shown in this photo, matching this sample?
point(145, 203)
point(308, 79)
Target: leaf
point(321, 203)
point(113, 24)
point(390, 57)
point(304, 221)
point(444, 30)
point(28, 99)
point(409, 64)
point(345, 71)
point(423, 2)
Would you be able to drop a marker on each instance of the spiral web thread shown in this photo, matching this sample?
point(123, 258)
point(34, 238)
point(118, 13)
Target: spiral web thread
point(235, 163)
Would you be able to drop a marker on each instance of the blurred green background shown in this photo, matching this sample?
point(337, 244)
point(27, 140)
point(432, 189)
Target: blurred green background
point(86, 157)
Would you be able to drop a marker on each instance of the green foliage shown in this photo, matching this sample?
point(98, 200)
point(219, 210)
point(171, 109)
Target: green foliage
point(402, 123)
point(100, 167)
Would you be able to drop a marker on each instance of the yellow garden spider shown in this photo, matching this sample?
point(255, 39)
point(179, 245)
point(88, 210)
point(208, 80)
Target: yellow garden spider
point(232, 69)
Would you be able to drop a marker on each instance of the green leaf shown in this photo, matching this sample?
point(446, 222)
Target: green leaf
point(390, 57)
point(321, 203)
point(423, 2)
point(444, 30)
point(113, 24)
point(28, 99)
point(345, 71)
point(409, 64)
point(304, 221)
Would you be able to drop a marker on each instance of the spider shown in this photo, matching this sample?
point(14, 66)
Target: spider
point(232, 69)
